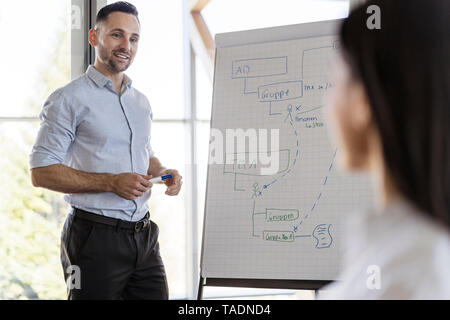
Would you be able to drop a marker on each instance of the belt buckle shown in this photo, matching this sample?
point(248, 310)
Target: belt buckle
point(138, 226)
point(141, 225)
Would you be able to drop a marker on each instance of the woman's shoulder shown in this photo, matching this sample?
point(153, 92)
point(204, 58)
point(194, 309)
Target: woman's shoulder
point(417, 267)
point(415, 253)
point(402, 251)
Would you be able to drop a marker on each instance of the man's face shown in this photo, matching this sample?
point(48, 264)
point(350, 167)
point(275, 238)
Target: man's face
point(117, 41)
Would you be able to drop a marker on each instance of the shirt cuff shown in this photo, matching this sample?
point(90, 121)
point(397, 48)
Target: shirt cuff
point(39, 160)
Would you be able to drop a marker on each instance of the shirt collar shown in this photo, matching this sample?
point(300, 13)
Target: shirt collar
point(101, 80)
point(127, 80)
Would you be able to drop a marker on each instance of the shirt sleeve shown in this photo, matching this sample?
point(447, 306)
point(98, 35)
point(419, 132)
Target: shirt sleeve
point(149, 144)
point(56, 133)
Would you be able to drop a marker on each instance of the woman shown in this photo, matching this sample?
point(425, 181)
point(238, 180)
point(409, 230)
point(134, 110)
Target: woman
point(390, 114)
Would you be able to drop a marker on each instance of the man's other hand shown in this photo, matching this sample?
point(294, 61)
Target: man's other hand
point(130, 186)
point(174, 184)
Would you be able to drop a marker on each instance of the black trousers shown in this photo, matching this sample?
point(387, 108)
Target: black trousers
point(105, 262)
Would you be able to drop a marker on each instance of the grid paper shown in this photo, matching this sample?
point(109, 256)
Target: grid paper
point(286, 225)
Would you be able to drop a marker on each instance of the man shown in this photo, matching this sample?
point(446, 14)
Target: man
point(94, 145)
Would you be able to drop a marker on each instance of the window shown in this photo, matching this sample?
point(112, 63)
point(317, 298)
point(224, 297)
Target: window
point(31, 219)
point(234, 15)
point(36, 62)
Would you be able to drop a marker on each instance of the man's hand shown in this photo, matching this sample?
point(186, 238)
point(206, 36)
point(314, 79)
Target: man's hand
point(130, 186)
point(174, 184)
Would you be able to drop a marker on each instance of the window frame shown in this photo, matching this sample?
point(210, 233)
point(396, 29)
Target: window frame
point(83, 14)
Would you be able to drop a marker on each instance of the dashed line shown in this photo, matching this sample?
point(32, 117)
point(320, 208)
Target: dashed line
point(320, 194)
point(296, 155)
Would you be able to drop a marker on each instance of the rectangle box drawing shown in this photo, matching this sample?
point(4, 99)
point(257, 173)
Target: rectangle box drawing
point(279, 236)
point(254, 169)
point(281, 215)
point(280, 91)
point(259, 67)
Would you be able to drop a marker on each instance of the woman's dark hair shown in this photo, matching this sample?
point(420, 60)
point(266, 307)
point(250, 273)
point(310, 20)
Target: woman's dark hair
point(405, 70)
point(120, 6)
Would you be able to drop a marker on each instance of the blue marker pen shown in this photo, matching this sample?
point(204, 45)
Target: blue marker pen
point(159, 179)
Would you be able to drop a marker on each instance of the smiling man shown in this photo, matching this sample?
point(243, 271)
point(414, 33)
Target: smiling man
point(94, 146)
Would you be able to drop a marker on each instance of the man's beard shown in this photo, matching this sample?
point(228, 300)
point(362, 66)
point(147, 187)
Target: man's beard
point(112, 66)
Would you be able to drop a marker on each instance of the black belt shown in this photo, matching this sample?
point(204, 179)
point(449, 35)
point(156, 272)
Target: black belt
point(117, 223)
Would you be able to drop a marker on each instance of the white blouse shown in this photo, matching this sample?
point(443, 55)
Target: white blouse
point(396, 253)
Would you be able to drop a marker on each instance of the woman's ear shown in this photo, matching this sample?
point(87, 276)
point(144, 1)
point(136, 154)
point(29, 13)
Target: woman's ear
point(349, 118)
point(361, 118)
point(360, 128)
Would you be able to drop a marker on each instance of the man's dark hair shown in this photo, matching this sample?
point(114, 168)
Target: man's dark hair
point(120, 6)
point(405, 69)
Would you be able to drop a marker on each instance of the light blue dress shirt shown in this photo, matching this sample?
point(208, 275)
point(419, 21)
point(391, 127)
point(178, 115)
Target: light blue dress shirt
point(87, 126)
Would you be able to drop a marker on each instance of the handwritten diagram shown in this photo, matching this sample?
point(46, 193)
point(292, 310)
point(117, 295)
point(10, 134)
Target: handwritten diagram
point(275, 205)
point(284, 97)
